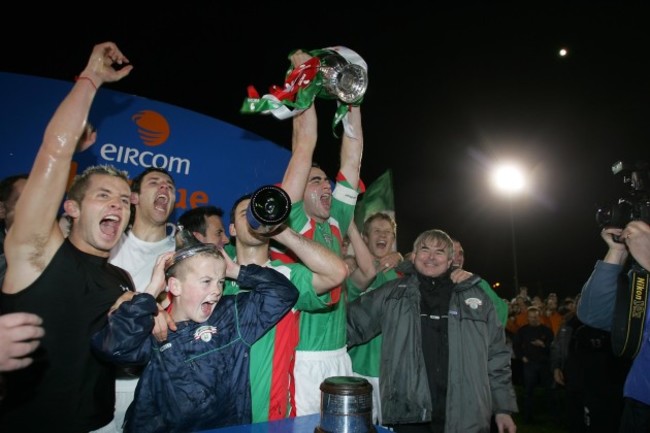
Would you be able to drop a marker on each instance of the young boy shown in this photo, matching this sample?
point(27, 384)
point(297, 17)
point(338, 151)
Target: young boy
point(198, 378)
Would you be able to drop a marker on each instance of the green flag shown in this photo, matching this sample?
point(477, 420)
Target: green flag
point(377, 198)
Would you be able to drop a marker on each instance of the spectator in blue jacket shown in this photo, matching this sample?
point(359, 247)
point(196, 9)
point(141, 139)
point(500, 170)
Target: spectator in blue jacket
point(596, 309)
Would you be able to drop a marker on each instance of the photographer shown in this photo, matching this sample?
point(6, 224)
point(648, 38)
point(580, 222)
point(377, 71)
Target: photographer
point(597, 306)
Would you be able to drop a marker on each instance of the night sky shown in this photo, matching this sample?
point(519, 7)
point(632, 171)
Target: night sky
point(451, 92)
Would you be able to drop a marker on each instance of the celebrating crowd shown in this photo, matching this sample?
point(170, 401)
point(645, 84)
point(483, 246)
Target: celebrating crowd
point(114, 323)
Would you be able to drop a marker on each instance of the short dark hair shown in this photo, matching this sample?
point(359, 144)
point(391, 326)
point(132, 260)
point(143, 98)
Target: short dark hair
point(318, 166)
point(234, 206)
point(137, 181)
point(194, 220)
point(7, 185)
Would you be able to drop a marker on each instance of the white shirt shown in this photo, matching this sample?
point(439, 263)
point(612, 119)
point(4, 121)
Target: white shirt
point(138, 257)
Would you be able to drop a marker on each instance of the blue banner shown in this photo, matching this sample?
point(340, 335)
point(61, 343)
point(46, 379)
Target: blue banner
point(212, 162)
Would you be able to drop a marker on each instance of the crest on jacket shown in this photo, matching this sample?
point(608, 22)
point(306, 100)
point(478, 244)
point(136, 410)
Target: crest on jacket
point(205, 333)
point(473, 303)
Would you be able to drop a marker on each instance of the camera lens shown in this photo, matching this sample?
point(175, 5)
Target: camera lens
point(616, 215)
point(603, 216)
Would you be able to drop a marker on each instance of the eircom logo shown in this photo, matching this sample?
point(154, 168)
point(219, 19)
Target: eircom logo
point(153, 130)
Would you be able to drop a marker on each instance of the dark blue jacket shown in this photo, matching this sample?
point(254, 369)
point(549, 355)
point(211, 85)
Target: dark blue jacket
point(198, 379)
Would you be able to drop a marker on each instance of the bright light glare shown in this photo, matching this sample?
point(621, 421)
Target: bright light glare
point(563, 52)
point(509, 179)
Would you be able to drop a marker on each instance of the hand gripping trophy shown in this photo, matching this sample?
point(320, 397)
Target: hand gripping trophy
point(332, 73)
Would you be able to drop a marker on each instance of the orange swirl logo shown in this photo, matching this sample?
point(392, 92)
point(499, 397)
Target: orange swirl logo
point(153, 128)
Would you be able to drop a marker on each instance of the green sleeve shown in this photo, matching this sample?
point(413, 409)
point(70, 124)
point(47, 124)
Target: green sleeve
point(499, 304)
point(302, 278)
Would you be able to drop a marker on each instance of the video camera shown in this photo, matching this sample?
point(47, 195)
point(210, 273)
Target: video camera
point(635, 205)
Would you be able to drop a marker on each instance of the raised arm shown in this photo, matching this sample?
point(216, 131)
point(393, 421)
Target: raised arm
point(598, 294)
point(352, 148)
point(303, 143)
point(35, 235)
point(366, 271)
point(329, 270)
point(616, 251)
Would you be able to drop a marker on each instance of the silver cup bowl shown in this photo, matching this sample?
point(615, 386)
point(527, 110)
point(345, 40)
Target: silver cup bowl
point(343, 80)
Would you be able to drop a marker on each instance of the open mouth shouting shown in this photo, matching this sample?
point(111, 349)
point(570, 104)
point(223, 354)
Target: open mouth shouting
point(161, 203)
point(111, 226)
point(381, 245)
point(326, 200)
point(207, 307)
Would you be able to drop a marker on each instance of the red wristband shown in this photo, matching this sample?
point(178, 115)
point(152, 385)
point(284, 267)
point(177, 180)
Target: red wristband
point(77, 78)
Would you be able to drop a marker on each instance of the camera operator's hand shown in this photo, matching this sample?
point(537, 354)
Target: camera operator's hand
point(617, 252)
point(637, 238)
point(610, 235)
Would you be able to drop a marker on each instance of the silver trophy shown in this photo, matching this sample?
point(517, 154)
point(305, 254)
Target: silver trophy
point(342, 79)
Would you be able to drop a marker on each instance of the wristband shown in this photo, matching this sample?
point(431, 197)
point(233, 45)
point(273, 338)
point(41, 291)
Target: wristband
point(92, 83)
